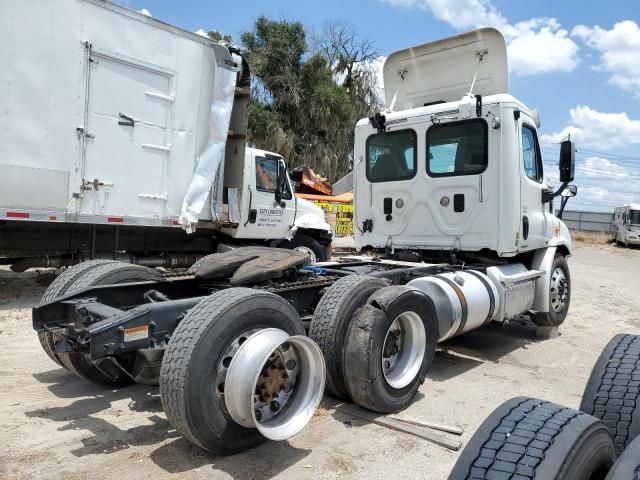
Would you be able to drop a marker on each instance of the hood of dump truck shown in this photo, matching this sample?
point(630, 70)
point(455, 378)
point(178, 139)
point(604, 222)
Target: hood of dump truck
point(443, 71)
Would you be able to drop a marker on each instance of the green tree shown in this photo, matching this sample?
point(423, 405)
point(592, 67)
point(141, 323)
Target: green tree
point(303, 104)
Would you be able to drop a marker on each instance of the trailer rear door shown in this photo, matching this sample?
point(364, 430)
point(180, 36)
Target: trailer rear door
point(127, 137)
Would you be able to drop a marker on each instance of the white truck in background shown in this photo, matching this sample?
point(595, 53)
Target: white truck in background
point(118, 130)
point(626, 224)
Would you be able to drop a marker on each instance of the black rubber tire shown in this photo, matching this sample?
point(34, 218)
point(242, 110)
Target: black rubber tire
point(110, 273)
point(302, 240)
point(627, 467)
point(330, 323)
point(193, 354)
point(553, 318)
point(364, 345)
point(612, 393)
point(59, 287)
point(526, 438)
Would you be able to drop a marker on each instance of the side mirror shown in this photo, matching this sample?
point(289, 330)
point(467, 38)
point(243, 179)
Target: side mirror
point(570, 191)
point(567, 161)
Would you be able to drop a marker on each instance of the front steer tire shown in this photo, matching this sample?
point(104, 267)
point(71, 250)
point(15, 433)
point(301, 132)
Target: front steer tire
point(527, 438)
point(554, 318)
point(58, 288)
point(194, 353)
point(110, 273)
point(613, 390)
point(330, 323)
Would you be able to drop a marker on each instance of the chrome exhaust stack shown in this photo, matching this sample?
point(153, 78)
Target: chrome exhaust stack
point(275, 383)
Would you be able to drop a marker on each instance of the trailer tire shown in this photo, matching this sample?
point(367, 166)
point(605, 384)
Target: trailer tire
point(383, 373)
point(110, 273)
point(527, 438)
point(613, 390)
point(559, 296)
point(59, 287)
point(330, 323)
point(194, 353)
point(627, 467)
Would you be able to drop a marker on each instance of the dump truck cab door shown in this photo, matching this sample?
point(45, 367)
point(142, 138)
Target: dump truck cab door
point(265, 217)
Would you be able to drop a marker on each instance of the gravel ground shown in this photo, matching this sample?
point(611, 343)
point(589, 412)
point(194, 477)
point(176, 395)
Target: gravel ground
point(55, 426)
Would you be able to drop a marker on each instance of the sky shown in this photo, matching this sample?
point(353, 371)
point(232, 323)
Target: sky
point(577, 61)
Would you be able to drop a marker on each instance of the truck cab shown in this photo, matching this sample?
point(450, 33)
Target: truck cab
point(454, 163)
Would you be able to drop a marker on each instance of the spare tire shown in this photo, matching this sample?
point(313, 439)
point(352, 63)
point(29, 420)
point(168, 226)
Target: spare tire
point(195, 361)
point(627, 467)
point(58, 288)
point(612, 393)
point(110, 273)
point(331, 319)
point(389, 348)
point(527, 438)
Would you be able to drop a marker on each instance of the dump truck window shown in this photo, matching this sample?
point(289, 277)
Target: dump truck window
point(391, 156)
point(635, 217)
point(531, 154)
point(266, 176)
point(457, 148)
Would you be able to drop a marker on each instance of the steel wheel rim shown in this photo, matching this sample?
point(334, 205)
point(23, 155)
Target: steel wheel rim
point(559, 290)
point(403, 351)
point(312, 255)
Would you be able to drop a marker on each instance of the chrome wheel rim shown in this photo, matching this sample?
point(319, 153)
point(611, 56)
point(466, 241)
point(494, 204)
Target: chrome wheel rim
point(274, 383)
point(559, 290)
point(312, 256)
point(403, 350)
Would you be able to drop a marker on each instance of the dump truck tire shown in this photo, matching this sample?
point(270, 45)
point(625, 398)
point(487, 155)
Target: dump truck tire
point(58, 288)
point(317, 252)
point(559, 295)
point(527, 438)
point(330, 323)
point(612, 393)
point(110, 273)
point(627, 467)
point(389, 348)
point(196, 351)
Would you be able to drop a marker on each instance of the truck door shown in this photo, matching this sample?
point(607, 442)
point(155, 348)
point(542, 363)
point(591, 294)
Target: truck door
point(535, 219)
point(266, 218)
point(127, 138)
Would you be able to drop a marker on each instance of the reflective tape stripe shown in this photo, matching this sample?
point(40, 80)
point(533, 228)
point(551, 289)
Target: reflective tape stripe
point(17, 215)
point(115, 219)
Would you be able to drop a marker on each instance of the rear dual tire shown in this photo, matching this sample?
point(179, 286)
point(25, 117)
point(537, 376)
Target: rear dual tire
point(189, 386)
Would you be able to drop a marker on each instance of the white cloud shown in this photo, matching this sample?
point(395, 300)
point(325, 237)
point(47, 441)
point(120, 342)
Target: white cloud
point(146, 12)
point(619, 52)
point(593, 165)
point(592, 129)
point(537, 45)
point(201, 32)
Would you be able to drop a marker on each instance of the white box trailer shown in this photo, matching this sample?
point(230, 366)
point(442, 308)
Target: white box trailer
point(112, 118)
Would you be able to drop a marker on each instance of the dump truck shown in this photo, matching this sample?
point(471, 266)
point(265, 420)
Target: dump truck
point(125, 138)
point(455, 228)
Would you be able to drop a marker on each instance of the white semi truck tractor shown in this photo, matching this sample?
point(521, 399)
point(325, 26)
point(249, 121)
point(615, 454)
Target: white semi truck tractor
point(121, 132)
point(453, 210)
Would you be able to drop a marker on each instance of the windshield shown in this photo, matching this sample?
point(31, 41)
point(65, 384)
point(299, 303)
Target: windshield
point(634, 216)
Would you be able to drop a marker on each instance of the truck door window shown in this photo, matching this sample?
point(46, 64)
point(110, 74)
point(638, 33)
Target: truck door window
point(457, 148)
point(531, 154)
point(391, 156)
point(266, 176)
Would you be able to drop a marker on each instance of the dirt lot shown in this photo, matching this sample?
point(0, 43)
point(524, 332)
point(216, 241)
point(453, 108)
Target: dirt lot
point(53, 425)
